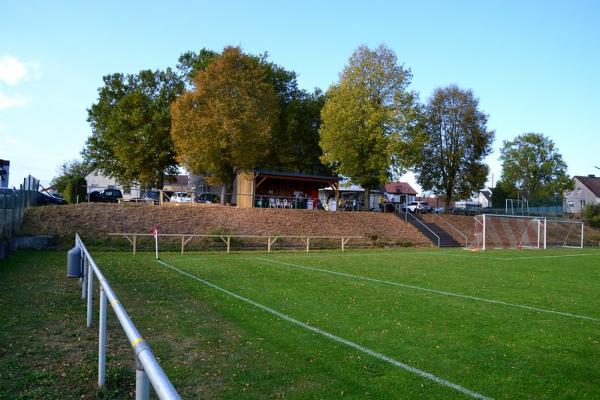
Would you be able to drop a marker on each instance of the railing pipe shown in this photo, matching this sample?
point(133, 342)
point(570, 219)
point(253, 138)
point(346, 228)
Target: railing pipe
point(102, 340)
point(142, 384)
point(159, 380)
point(453, 227)
point(425, 226)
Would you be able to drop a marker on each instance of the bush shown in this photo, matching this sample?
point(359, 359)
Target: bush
point(591, 215)
point(75, 187)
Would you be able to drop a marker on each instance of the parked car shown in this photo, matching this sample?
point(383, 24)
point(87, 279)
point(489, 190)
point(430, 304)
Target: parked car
point(207, 198)
point(46, 199)
point(419, 206)
point(109, 195)
point(181, 197)
point(151, 196)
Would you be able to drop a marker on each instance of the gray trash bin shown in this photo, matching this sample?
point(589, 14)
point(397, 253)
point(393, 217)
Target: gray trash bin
point(74, 263)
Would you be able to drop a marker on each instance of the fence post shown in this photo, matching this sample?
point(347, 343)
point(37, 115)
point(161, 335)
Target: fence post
point(142, 384)
point(102, 339)
point(90, 286)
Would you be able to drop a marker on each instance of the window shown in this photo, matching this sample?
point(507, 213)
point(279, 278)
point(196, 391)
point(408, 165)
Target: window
point(127, 190)
point(571, 204)
point(582, 203)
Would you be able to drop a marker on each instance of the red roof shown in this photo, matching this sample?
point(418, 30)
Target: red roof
point(399, 188)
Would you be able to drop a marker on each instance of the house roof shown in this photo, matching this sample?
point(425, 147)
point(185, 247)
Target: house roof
point(591, 182)
point(399, 188)
point(296, 176)
point(486, 193)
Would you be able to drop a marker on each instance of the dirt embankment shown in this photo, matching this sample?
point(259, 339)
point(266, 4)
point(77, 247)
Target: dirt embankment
point(97, 220)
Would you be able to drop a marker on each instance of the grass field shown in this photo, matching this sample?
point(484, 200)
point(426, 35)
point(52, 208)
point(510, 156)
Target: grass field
point(363, 324)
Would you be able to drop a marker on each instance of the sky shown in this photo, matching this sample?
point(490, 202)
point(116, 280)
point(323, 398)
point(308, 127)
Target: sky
point(533, 64)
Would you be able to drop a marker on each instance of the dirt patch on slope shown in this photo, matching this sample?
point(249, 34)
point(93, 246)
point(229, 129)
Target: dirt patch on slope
point(98, 219)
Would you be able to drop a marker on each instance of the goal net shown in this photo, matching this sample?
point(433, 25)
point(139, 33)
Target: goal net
point(510, 231)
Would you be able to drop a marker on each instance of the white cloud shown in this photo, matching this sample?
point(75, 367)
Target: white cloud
point(9, 102)
point(14, 71)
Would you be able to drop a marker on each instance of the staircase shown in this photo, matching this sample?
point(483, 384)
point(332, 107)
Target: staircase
point(430, 230)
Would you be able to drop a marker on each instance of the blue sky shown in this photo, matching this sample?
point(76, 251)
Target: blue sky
point(533, 64)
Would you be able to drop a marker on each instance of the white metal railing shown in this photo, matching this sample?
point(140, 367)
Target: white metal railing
point(148, 370)
point(407, 213)
point(438, 216)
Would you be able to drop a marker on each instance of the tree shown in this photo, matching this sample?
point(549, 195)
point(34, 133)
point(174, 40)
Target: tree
point(75, 190)
point(295, 139)
point(70, 171)
point(225, 123)
point(591, 215)
point(131, 123)
point(366, 118)
point(455, 142)
point(191, 63)
point(532, 164)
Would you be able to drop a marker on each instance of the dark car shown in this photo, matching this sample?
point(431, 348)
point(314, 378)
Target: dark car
point(111, 195)
point(207, 198)
point(43, 199)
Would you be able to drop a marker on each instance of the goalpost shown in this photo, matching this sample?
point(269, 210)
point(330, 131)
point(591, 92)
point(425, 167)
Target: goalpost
point(512, 231)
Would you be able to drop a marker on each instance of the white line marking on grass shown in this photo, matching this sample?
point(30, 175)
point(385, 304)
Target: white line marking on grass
point(528, 257)
point(337, 339)
point(404, 285)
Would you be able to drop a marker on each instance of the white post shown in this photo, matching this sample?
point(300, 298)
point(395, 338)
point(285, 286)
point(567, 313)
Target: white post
point(142, 384)
point(545, 231)
point(483, 234)
point(102, 340)
point(539, 231)
point(90, 295)
point(156, 244)
point(83, 279)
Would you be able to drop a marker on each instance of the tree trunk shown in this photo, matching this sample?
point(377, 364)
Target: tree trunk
point(367, 199)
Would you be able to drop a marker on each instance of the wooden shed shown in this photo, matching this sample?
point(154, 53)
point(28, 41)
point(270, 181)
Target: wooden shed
point(270, 189)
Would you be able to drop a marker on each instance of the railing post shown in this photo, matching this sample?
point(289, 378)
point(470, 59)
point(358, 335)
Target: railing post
point(142, 384)
point(90, 295)
point(84, 276)
point(102, 339)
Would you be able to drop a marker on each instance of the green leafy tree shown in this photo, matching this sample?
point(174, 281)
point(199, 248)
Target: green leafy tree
point(455, 142)
point(367, 117)
point(532, 164)
point(225, 123)
point(131, 123)
point(191, 63)
point(591, 215)
point(68, 171)
point(75, 190)
point(295, 139)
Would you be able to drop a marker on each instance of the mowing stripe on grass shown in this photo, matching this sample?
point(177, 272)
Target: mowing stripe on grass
point(337, 339)
point(441, 292)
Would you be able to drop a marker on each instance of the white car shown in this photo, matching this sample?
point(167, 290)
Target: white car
point(419, 206)
point(181, 197)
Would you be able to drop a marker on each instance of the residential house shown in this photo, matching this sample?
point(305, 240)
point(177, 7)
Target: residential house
point(350, 197)
point(400, 192)
point(96, 182)
point(586, 191)
point(4, 168)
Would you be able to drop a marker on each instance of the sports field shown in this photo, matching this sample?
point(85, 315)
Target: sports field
point(404, 323)
point(374, 324)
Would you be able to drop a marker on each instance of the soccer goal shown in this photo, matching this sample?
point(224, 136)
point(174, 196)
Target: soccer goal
point(512, 231)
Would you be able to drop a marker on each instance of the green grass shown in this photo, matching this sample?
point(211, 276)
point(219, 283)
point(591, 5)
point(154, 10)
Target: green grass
point(213, 345)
